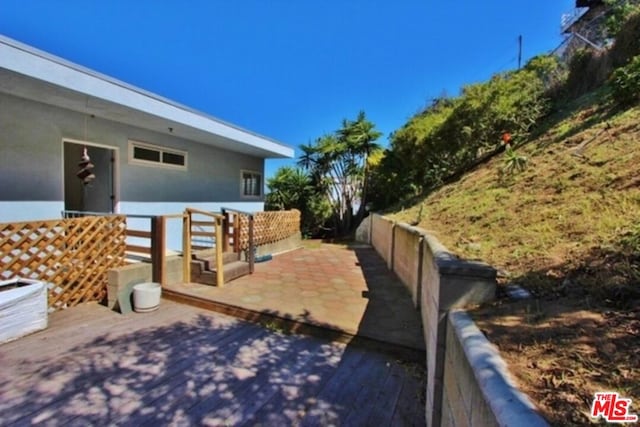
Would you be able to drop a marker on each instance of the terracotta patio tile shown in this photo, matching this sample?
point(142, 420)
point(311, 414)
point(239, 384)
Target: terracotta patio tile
point(326, 286)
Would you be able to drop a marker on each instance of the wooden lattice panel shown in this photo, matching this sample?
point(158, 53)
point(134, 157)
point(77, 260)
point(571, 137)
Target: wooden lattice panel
point(269, 227)
point(71, 255)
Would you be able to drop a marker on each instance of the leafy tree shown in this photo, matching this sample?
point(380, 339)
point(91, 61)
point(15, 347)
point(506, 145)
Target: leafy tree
point(625, 83)
point(288, 189)
point(619, 12)
point(292, 188)
point(454, 134)
point(627, 39)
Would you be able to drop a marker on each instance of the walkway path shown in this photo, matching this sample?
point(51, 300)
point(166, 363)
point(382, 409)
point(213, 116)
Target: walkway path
point(348, 289)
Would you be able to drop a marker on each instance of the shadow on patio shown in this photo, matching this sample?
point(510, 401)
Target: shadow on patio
point(336, 291)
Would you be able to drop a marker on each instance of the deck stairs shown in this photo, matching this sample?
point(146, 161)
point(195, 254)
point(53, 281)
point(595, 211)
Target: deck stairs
point(203, 267)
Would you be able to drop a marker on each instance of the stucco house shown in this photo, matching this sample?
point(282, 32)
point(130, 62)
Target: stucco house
point(150, 155)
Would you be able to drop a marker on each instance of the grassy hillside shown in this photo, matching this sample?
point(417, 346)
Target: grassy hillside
point(559, 215)
point(568, 229)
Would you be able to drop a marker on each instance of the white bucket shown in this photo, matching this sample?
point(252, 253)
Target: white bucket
point(146, 296)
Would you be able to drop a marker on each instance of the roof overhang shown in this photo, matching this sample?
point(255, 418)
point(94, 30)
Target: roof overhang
point(32, 74)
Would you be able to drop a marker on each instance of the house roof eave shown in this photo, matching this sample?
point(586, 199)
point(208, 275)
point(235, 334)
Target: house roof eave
point(69, 80)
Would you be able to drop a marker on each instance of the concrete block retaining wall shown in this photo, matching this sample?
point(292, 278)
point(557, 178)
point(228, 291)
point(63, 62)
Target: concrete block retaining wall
point(467, 384)
point(290, 243)
point(478, 389)
point(407, 254)
point(382, 238)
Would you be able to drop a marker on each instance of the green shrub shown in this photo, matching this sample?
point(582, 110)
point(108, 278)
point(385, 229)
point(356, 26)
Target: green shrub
point(630, 241)
point(451, 135)
point(627, 44)
point(513, 162)
point(625, 83)
point(618, 14)
point(548, 68)
point(588, 70)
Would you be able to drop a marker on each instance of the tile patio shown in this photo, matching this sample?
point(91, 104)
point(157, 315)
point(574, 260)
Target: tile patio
point(345, 289)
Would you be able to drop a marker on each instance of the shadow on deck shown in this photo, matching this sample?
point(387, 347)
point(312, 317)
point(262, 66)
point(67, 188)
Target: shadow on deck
point(184, 366)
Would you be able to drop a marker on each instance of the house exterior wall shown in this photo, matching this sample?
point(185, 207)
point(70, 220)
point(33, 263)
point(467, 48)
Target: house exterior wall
point(31, 165)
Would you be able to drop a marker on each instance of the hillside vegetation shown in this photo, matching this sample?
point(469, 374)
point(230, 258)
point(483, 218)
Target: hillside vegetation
point(556, 209)
point(568, 229)
point(577, 201)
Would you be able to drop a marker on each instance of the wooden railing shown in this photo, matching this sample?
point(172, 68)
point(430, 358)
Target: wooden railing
point(149, 243)
point(235, 221)
point(231, 230)
point(201, 233)
point(147, 239)
point(158, 246)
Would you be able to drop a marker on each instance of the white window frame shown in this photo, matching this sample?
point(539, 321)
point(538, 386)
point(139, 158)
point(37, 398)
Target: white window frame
point(260, 187)
point(161, 150)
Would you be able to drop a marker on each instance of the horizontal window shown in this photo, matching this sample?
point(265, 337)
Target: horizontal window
point(153, 155)
point(251, 184)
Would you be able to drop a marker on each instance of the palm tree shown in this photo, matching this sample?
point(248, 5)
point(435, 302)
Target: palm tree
point(308, 158)
point(338, 166)
point(360, 136)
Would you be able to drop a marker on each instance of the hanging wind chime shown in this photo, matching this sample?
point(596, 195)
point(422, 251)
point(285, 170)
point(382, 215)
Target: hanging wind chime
point(85, 173)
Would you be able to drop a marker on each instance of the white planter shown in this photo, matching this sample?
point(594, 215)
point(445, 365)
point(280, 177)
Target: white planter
point(23, 309)
point(146, 296)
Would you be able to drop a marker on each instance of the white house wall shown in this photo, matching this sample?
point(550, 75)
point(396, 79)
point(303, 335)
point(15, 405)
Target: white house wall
point(31, 165)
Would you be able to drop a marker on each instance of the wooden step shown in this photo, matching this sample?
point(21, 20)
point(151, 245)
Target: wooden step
point(235, 269)
point(210, 257)
point(208, 276)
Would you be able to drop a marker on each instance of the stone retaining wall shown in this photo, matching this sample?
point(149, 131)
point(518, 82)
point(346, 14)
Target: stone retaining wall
point(458, 392)
point(407, 256)
point(382, 237)
point(478, 389)
point(285, 245)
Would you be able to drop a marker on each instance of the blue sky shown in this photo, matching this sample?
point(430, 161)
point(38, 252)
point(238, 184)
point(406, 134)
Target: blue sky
point(291, 69)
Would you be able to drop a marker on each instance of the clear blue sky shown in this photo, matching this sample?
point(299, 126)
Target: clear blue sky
point(291, 69)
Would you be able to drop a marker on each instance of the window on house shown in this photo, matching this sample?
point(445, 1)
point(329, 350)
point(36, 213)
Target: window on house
point(153, 155)
point(251, 184)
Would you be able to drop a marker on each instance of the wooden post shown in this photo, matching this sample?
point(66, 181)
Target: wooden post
point(186, 247)
point(236, 232)
point(219, 260)
point(158, 249)
point(251, 246)
point(225, 231)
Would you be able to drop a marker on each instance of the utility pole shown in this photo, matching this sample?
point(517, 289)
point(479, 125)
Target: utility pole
point(519, 51)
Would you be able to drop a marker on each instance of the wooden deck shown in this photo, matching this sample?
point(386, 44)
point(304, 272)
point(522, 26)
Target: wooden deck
point(184, 366)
